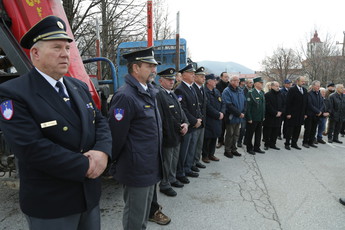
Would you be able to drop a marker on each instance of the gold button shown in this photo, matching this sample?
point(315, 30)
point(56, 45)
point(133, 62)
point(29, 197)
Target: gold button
point(81, 150)
point(65, 128)
point(93, 121)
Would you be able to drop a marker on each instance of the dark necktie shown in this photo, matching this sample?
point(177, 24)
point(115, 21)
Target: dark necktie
point(193, 91)
point(62, 93)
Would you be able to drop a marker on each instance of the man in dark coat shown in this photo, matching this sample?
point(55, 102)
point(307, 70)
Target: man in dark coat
point(175, 125)
point(215, 111)
point(255, 115)
point(273, 115)
point(135, 124)
point(188, 98)
point(284, 90)
point(337, 113)
point(296, 112)
point(61, 140)
point(199, 81)
point(221, 85)
point(315, 110)
point(323, 119)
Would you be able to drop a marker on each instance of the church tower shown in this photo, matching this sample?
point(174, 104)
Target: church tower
point(315, 45)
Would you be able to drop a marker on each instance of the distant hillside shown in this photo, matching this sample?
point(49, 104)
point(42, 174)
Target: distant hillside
point(217, 67)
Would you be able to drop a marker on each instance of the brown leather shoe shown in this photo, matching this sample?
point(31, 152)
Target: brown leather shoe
point(159, 217)
point(206, 160)
point(213, 158)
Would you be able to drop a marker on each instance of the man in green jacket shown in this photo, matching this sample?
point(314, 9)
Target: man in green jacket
point(255, 115)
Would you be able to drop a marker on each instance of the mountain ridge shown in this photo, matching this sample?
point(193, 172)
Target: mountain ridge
point(217, 67)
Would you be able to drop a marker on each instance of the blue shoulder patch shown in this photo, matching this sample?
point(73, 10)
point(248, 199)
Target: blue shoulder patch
point(119, 114)
point(7, 109)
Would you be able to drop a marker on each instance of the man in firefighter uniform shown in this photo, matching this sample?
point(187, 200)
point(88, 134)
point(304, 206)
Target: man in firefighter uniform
point(136, 126)
point(175, 126)
point(60, 138)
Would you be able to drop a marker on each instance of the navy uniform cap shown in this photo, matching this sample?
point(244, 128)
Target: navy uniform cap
point(242, 79)
point(200, 71)
point(287, 81)
point(168, 73)
point(143, 55)
point(331, 84)
point(258, 79)
point(210, 77)
point(188, 68)
point(49, 28)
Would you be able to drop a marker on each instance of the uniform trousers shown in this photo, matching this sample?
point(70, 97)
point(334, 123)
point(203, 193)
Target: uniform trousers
point(137, 206)
point(271, 134)
point(170, 160)
point(82, 221)
point(221, 138)
point(292, 134)
point(209, 147)
point(310, 126)
point(199, 145)
point(193, 144)
point(254, 128)
point(334, 128)
point(231, 137)
point(321, 127)
point(187, 147)
point(154, 204)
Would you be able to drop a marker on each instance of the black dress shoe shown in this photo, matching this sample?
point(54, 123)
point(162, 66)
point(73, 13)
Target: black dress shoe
point(195, 169)
point(287, 147)
point(199, 165)
point(259, 151)
point(337, 141)
point(177, 184)
point(305, 146)
point(330, 141)
point(296, 147)
point(235, 153)
point(251, 152)
point(228, 154)
point(266, 148)
point(183, 179)
point(342, 201)
point(274, 147)
point(168, 192)
point(321, 141)
point(192, 174)
point(312, 145)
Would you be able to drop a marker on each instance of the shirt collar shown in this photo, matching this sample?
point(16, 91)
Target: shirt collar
point(51, 80)
point(187, 84)
point(144, 86)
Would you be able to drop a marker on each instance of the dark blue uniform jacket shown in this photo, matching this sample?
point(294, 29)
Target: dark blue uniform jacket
point(214, 107)
point(48, 138)
point(136, 129)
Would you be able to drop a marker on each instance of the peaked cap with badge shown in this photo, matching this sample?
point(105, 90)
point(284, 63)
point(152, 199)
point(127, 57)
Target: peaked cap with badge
point(49, 28)
point(188, 68)
point(168, 73)
point(242, 79)
point(200, 71)
point(257, 79)
point(210, 77)
point(143, 55)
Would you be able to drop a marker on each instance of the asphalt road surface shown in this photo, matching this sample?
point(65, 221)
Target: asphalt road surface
point(290, 190)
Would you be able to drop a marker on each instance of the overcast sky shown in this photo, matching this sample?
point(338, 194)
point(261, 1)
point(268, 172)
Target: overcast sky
point(246, 31)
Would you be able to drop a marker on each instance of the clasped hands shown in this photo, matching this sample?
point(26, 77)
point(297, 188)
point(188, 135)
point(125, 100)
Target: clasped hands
point(97, 163)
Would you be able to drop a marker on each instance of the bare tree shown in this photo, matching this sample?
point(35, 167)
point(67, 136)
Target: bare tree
point(321, 60)
point(283, 64)
point(162, 27)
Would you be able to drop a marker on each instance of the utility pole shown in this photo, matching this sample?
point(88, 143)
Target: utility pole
point(338, 43)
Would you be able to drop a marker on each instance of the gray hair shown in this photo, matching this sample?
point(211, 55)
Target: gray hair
point(315, 82)
point(232, 77)
point(274, 82)
point(339, 86)
point(322, 89)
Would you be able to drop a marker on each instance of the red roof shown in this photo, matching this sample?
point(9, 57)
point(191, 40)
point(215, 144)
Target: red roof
point(315, 39)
